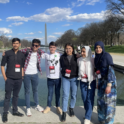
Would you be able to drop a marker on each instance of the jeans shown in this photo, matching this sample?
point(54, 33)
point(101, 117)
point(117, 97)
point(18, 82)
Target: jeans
point(67, 86)
point(14, 86)
point(88, 97)
point(50, 84)
point(33, 80)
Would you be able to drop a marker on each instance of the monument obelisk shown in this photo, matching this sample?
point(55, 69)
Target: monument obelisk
point(46, 35)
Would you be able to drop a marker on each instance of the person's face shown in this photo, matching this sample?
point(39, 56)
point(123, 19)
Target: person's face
point(52, 49)
point(98, 49)
point(68, 50)
point(35, 46)
point(83, 53)
point(16, 45)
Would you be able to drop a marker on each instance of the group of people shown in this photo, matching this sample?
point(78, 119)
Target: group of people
point(67, 70)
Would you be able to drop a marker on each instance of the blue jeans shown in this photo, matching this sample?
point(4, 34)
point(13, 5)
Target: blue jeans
point(88, 97)
point(31, 79)
point(50, 84)
point(67, 86)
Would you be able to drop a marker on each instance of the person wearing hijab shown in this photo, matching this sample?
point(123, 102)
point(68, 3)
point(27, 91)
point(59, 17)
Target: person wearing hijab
point(107, 93)
point(87, 81)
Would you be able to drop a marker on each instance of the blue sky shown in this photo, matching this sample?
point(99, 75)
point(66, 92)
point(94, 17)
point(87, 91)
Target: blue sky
point(27, 18)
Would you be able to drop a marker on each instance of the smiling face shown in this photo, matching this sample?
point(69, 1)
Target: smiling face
point(98, 49)
point(52, 49)
point(16, 45)
point(69, 50)
point(35, 46)
point(83, 52)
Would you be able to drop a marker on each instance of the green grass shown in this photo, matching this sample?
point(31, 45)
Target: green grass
point(114, 49)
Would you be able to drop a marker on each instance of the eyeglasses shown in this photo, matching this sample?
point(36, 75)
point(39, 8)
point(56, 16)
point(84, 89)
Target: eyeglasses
point(35, 45)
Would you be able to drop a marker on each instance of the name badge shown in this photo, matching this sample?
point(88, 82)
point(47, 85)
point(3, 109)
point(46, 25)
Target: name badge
point(17, 68)
point(98, 73)
point(52, 69)
point(84, 78)
point(68, 72)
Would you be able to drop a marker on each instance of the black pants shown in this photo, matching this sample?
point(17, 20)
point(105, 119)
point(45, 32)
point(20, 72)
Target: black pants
point(15, 86)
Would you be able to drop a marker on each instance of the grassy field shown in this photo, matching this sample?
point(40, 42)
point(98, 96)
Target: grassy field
point(114, 49)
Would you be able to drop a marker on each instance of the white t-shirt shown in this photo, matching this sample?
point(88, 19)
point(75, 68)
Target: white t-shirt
point(52, 60)
point(32, 65)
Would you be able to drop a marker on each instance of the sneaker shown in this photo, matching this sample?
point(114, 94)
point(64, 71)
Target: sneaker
point(18, 114)
point(86, 121)
point(71, 112)
point(46, 110)
point(5, 118)
point(63, 118)
point(29, 112)
point(59, 110)
point(39, 108)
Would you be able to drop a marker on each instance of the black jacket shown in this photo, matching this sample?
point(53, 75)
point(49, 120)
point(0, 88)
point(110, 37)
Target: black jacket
point(71, 66)
point(11, 59)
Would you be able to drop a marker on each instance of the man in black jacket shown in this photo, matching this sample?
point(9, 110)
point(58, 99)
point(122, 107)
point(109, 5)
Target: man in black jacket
point(13, 77)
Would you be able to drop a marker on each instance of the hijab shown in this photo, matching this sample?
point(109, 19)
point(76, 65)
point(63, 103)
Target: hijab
point(103, 59)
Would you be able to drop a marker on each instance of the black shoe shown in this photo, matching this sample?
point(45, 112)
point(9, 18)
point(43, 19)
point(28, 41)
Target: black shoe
point(18, 114)
point(4, 117)
point(102, 122)
point(71, 112)
point(63, 119)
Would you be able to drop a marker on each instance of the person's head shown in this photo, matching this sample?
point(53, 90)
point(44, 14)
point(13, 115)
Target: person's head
point(69, 49)
point(86, 52)
point(36, 44)
point(52, 47)
point(16, 43)
point(99, 47)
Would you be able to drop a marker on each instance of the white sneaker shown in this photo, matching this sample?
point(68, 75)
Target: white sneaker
point(39, 108)
point(29, 112)
point(86, 121)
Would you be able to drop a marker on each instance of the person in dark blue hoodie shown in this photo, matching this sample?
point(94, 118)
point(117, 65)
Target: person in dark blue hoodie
point(107, 93)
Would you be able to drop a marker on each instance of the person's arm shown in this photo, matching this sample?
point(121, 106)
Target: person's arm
point(22, 73)
point(23, 50)
point(3, 62)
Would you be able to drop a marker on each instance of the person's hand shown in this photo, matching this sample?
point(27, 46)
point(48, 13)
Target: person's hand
point(5, 78)
point(3, 53)
point(28, 47)
point(108, 90)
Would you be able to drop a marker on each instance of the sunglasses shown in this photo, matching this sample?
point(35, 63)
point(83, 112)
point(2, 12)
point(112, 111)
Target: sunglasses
point(35, 45)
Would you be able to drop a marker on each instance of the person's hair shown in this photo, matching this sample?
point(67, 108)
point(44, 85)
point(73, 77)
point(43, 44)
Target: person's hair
point(16, 39)
point(71, 45)
point(52, 44)
point(82, 47)
point(36, 41)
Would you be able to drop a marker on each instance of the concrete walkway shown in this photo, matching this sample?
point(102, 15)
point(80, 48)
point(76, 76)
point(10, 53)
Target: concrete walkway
point(53, 118)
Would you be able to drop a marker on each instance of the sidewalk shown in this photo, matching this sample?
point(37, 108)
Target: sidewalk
point(53, 118)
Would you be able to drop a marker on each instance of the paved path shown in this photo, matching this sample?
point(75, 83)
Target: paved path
point(53, 118)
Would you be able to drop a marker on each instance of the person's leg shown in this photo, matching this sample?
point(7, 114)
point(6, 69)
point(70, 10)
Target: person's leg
point(8, 91)
point(65, 95)
point(27, 81)
point(83, 87)
point(74, 87)
point(90, 100)
point(50, 85)
point(16, 90)
point(34, 82)
point(57, 91)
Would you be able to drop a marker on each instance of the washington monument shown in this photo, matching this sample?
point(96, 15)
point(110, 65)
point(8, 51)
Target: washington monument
point(46, 35)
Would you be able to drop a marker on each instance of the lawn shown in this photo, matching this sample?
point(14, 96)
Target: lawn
point(114, 49)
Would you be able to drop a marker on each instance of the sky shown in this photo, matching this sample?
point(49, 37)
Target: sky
point(26, 18)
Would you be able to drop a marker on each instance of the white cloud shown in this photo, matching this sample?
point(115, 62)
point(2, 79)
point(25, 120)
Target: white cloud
point(66, 25)
point(16, 24)
point(51, 36)
point(52, 15)
point(19, 33)
point(9, 36)
point(40, 38)
point(31, 33)
point(40, 32)
point(4, 1)
point(92, 2)
point(58, 33)
point(17, 18)
point(87, 17)
point(5, 31)
point(29, 3)
point(0, 19)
